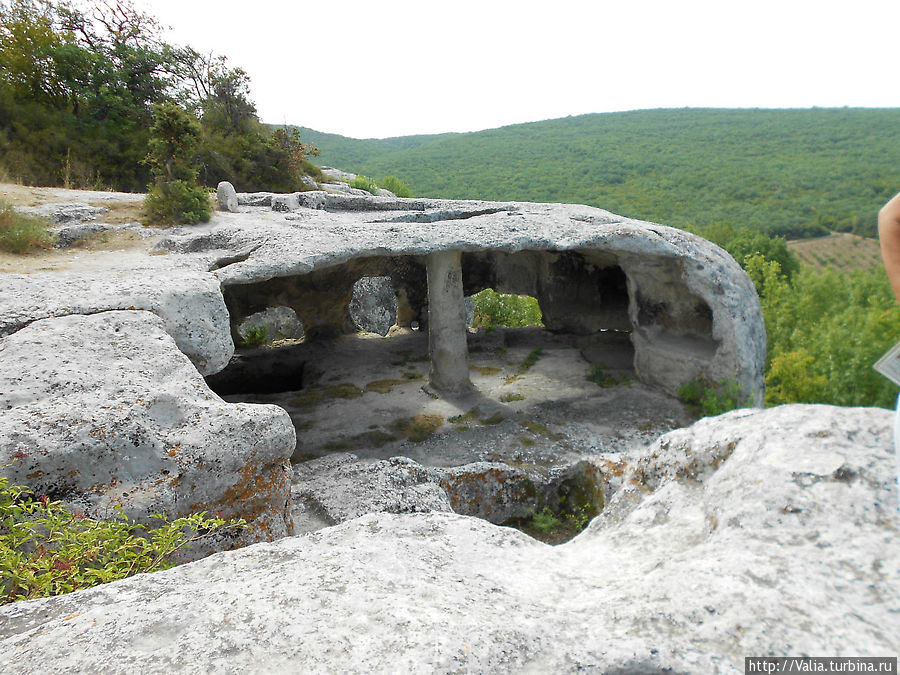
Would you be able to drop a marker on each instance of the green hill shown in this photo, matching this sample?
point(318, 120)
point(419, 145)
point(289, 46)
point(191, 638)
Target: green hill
point(797, 173)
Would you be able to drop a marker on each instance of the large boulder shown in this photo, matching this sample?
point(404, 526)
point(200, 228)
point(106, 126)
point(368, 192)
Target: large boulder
point(189, 302)
point(374, 304)
point(273, 323)
point(226, 197)
point(104, 410)
point(755, 533)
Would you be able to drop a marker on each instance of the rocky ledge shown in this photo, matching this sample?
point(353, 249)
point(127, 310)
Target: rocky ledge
point(101, 357)
point(754, 533)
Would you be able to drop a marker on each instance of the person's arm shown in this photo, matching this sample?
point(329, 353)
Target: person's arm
point(889, 235)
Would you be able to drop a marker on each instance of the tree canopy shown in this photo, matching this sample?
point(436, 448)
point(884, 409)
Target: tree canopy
point(77, 90)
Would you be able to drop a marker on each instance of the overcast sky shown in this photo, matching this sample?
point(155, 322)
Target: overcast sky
point(372, 69)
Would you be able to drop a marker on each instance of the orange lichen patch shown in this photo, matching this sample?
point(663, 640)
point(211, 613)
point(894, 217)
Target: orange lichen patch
point(258, 496)
point(614, 468)
point(467, 493)
point(171, 452)
point(35, 474)
point(725, 455)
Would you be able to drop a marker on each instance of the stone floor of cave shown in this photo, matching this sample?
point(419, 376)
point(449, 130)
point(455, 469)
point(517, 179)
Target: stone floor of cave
point(365, 394)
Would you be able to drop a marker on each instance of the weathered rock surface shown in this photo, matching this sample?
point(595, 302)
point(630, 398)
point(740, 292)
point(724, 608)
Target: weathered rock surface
point(758, 532)
point(71, 212)
point(689, 308)
point(106, 411)
point(226, 197)
point(337, 174)
point(341, 486)
point(343, 188)
point(255, 198)
point(373, 307)
point(189, 302)
point(279, 323)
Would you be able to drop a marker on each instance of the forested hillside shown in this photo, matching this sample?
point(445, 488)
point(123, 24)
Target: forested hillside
point(79, 89)
point(796, 173)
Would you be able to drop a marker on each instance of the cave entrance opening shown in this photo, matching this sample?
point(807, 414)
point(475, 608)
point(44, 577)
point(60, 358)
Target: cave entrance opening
point(355, 373)
point(282, 325)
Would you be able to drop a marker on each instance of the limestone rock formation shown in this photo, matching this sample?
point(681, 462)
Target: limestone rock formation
point(226, 197)
point(103, 409)
point(189, 302)
point(373, 306)
point(65, 213)
point(337, 174)
point(755, 533)
point(341, 486)
point(276, 323)
point(688, 307)
point(684, 305)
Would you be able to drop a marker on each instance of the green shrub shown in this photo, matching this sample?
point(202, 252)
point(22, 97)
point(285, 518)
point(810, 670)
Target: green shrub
point(494, 309)
point(708, 398)
point(312, 170)
point(256, 335)
point(174, 196)
point(545, 520)
point(601, 378)
point(47, 549)
point(395, 185)
point(177, 202)
point(20, 233)
point(364, 183)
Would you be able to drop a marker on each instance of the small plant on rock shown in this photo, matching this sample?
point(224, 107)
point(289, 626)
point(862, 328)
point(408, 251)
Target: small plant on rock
point(255, 336)
point(48, 549)
point(601, 378)
point(708, 398)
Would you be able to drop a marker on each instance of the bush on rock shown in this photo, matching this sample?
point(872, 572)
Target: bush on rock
point(174, 196)
point(46, 549)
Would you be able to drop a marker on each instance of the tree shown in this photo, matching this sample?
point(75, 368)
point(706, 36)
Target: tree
point(175, 196)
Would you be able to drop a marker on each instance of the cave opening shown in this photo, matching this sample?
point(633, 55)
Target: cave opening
point(283, 324)
point(346, 351)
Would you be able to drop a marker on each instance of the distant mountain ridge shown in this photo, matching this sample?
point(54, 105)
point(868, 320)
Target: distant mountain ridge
point(798, 172)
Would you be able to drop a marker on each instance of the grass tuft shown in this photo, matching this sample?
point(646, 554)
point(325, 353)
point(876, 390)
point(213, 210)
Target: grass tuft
point(20, 233)
point(419, 427)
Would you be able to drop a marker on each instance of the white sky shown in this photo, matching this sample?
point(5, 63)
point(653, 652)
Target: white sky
point(393, 68)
